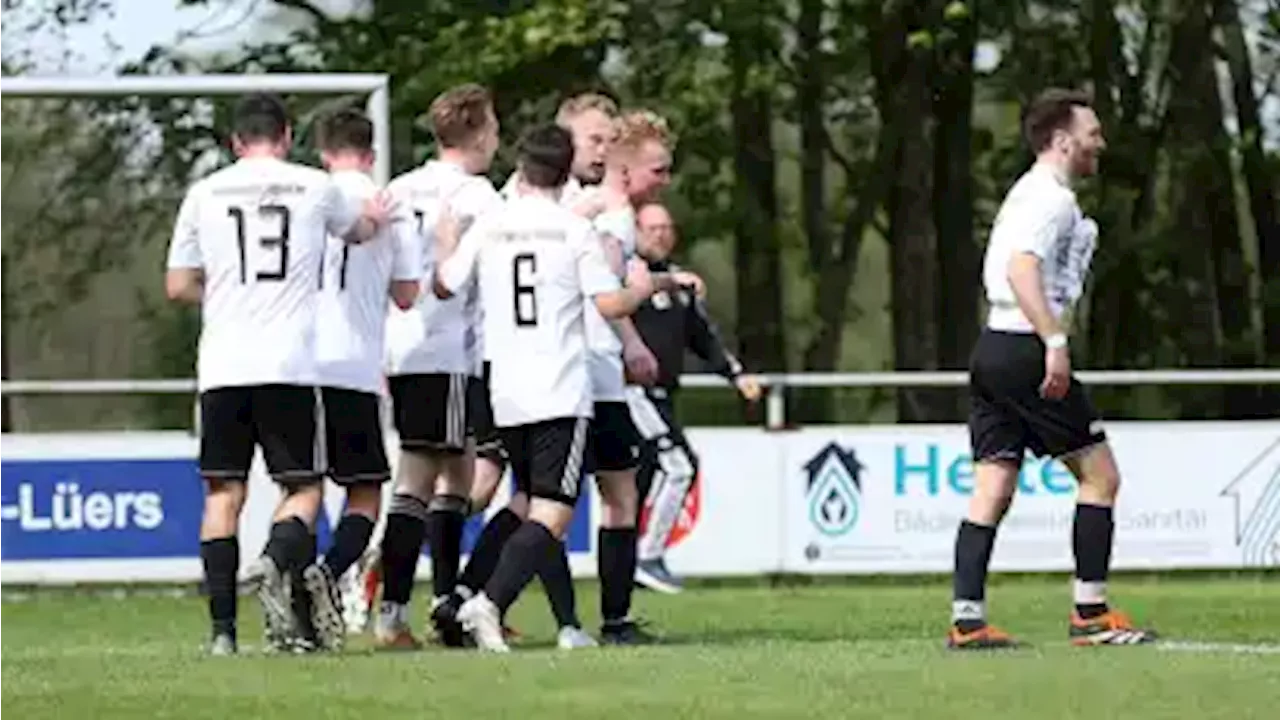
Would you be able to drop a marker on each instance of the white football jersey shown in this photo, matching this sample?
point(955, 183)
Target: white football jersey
point(257, 230)
point(354, 295)
point(1040, 216)
point(539, 266)
point(438, 336)
point(606, 366)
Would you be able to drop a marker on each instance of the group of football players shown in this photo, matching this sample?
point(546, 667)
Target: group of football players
point(497, 322)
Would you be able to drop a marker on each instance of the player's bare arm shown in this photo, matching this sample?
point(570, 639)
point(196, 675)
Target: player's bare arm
point(448, 235)
point(1025, 280)
point(185, 285)
point(623, 302)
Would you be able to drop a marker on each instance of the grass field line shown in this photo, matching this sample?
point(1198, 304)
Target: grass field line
point(868, 648)
point(1220, 647)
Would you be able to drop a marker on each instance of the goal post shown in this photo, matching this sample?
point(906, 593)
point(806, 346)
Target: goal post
point(378, 104)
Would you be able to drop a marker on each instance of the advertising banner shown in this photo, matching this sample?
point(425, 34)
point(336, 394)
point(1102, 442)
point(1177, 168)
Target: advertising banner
point(889, 499)
point(126, 507)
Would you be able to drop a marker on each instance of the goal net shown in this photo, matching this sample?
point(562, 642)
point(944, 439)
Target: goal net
point(93, 172)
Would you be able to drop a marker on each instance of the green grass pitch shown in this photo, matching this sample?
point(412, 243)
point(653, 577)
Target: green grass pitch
point(829, 650)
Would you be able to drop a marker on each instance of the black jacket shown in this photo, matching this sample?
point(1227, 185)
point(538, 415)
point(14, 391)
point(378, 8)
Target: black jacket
point(670, 323)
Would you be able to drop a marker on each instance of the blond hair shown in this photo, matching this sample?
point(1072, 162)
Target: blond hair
point(459, 114)
point(579, 104)
point(636, 127)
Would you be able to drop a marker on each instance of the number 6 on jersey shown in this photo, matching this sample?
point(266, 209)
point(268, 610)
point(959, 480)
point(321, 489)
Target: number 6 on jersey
point(524, 267)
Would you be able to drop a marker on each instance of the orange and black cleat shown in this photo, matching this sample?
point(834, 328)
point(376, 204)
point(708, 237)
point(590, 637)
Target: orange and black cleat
point(987, 637)
point(1111, 628)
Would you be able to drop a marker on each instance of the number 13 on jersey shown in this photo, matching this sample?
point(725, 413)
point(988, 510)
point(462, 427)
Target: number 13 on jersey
point(272, 221)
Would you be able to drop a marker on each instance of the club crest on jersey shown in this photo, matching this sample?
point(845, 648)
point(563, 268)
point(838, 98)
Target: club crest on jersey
point(661, 300)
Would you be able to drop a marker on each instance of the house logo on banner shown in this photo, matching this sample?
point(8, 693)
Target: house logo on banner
point(1255, 492)
point(833, 489)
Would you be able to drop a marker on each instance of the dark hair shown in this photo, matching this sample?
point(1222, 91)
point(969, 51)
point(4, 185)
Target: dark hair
point(260, 116)
point(346, 129)
point(545, 155)
point(458, 115)
point(1051, 111)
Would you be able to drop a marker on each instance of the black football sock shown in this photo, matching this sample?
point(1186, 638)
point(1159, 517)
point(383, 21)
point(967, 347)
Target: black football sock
point(288, 541)
point(446, 515)
point(350, 539)
point(1091, 538)
point(299, 598)
point(488, 548)
point(531, 546)
point(401, 546)
point(557, 581)
point(973, 558)
point(221, 559)
point(617, 568)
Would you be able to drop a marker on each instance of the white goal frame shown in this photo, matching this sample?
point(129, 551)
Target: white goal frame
point(375, 85)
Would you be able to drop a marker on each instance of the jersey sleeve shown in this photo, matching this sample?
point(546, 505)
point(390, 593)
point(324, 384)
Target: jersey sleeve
point(184, 246)
point(621, 226)
point(705, 341)
point(457, 271)
point(340, 205)
point(1037, 225)
point(408, 251)
point(594, 275)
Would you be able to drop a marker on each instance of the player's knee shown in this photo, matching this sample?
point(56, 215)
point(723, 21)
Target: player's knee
point(519, 504)
point(993, 488)
point(223, 502)
point(553, 514)
point(364, 499)
point(457, 475)
point(481, 497)
point(1096, 472)
point(619, 498)
point(416, 472)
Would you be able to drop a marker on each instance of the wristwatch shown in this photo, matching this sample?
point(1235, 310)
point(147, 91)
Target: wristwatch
point(1055, 341)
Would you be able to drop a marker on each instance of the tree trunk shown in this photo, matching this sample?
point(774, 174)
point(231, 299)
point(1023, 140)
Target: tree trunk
point(958, 252)
point(913, 245)
point(1215, 321)
point(757, 255)
point(1258, 178)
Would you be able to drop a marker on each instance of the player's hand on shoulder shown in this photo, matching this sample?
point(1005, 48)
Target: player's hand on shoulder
point(448, 230)
point(379, 208)
point(639, 277)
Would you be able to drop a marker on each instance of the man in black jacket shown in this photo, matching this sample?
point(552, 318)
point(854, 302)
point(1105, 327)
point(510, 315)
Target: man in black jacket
point(670, 323)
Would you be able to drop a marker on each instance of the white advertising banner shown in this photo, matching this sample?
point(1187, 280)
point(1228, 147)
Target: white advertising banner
point(889, 499)
point(125, 507)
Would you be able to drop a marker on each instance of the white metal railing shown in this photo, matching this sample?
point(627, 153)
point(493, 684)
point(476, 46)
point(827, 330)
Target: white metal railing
point(776, 382)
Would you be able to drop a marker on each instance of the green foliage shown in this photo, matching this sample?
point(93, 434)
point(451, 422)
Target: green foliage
point(835, 80)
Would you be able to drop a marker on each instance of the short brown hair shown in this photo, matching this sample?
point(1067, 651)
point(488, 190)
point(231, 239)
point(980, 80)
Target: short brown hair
point(1051, 111)
point(579, 104)
point(345, 130)
point(545, 155)
point(637, 127)
point(459, 114)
